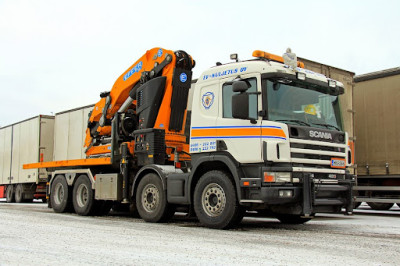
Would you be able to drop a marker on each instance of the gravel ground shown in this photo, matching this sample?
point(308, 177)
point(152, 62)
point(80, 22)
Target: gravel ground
point(35, 235)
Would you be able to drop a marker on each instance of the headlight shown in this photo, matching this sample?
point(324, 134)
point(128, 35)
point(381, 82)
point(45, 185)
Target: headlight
point(277, 177)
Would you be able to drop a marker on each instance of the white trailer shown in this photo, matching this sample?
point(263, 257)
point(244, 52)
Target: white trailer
point(27, 141)
point(70, 132)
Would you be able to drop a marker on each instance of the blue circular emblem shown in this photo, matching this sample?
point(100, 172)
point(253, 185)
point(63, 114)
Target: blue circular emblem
point(183, 77)
point(160, 52)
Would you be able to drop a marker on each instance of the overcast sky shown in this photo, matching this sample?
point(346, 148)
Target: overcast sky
point(58, 55)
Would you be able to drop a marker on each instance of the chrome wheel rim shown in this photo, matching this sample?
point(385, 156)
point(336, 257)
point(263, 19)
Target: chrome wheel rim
point(213, 200)
point(150, 197)
point(82, 195)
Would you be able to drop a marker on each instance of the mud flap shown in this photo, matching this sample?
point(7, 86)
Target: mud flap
point(307, 195)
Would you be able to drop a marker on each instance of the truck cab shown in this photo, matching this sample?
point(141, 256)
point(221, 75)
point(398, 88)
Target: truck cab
point(277, 132)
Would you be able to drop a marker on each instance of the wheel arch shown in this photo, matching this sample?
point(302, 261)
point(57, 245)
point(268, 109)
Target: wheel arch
point(215, 162)
point(72, 175)
point(160, 170)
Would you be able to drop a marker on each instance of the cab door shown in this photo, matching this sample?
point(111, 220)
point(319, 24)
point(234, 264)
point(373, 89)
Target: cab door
point(242, 137)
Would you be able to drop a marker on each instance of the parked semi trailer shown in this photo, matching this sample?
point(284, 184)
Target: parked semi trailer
point(27, 141)
point(264, 136)
point(376, 101)
point(70, 132)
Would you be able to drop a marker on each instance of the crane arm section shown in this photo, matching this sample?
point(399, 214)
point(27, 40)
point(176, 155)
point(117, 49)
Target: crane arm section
point(152, 93)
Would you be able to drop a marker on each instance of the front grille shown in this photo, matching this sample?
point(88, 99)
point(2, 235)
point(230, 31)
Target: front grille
point(311, 156)
point(318, 154)
point(316, 147)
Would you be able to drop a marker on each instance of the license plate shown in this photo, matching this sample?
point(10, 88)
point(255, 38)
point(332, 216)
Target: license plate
point(338, 163)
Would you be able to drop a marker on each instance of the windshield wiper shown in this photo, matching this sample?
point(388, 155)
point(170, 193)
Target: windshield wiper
point(328, 126)
point(294, 121)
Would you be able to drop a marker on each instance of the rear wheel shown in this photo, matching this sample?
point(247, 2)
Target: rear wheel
point(151, 200)
point(380, 206)
point(10, 195)
point(19, 193)
point(60, 194)
point(292, 219)
point(215, 201)
point(83, 197)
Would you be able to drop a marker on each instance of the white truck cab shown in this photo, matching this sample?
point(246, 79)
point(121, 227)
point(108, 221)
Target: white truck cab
point(277, 133)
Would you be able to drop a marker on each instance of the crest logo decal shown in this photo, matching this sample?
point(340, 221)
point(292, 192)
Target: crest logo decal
point(207, 100)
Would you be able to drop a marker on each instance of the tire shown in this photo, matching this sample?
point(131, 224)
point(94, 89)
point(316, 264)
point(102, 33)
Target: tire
point(215, 201)
point(380, 206)
point(60, 196)
point(83, 197)
point(151, 200)
point(291, 219)
point(10, 195)
point(19, 193)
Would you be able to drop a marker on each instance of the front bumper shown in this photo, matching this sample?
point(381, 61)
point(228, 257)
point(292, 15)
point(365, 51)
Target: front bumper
point(307, 197)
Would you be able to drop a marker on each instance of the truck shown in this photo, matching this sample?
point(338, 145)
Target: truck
point(377, 145)
point(265, 135)
point(27, 141)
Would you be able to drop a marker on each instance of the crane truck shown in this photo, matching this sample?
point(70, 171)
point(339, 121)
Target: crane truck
point(264, 136)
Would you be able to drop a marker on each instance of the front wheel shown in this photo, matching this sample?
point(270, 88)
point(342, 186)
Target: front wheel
point(151, 200)
point(215, 201)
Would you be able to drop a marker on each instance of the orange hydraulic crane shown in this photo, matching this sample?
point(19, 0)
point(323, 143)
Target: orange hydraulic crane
point(151, 94)
point(143, 115)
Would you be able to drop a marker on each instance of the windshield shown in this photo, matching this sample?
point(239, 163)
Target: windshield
point(296, 104)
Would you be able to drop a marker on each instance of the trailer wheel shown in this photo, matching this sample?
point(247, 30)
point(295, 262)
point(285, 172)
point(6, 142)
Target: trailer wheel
point(380, 206)
point(151, 200)
point(60, 194)
point(291, 219)
point(215, 201)
point(83, 196)
point(10, 195)
point(19, 193)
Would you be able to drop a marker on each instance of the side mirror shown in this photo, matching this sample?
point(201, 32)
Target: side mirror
point(240, 86)
point(240, 106)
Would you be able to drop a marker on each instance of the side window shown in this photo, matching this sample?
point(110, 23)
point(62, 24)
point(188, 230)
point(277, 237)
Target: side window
point(227, 94)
